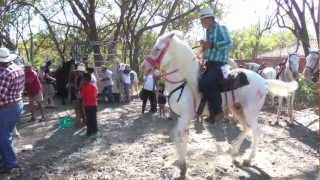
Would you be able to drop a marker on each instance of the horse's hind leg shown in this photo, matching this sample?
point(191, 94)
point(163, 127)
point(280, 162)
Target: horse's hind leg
point(181, 138)
point(238, 141)
point(255, 133)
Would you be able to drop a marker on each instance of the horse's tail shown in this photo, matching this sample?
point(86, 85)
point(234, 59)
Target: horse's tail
point(280, 88)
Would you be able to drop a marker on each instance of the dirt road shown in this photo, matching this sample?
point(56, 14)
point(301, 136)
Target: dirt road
point(135, 146)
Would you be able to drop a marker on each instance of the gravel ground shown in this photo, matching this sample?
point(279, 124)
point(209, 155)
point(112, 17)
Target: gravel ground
point(134, 146)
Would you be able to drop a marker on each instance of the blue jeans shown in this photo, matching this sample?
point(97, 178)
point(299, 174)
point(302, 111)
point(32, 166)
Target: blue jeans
point(107, 91)
point(8, 119)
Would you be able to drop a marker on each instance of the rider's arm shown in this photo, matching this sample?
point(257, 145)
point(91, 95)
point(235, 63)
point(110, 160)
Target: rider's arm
point(225, 41)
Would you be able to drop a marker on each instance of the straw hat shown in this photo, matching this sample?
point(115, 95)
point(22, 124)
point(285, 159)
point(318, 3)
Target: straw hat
point(6, 56)
point(81, 67)
point(207, 12)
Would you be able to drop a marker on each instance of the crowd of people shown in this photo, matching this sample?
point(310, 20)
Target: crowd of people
point(84, 85)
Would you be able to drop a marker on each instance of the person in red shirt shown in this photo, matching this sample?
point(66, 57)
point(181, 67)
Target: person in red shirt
point(88, 93)
point(33, 88)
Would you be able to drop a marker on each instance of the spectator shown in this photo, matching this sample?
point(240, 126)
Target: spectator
point(126, 83)
point(33, 88)
point(79, 109)
point(162, 100)
point(117, 86)
point(11, 105)
point(89, 100)
point(48, 85)
point(134, 82)
point(107, 90)
point(90, 70)
point(148, 92)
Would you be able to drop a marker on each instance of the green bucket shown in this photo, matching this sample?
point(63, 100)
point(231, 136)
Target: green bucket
point(66, 122)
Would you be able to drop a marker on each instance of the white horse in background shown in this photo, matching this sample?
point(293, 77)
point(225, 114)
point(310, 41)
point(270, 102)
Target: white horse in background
point(266, 72)
point(311, 68)
point(181, 72)
point(288, 72)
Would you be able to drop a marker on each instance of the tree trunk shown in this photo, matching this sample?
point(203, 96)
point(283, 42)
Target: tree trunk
point(98, 59)
point(170, 14)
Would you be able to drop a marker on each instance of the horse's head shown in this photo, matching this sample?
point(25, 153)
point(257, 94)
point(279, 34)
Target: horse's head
point(159, 54)
point(312, 65)
point(294, 63)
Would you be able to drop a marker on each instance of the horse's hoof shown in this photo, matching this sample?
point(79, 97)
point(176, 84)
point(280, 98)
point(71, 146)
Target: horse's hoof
point(246, 162)
point(276, 123)
point(235, 162)
point(290, 124)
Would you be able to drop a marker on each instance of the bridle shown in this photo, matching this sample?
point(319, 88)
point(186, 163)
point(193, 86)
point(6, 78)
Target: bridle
point(283, 66)
point(156, 62)
point(312, 69)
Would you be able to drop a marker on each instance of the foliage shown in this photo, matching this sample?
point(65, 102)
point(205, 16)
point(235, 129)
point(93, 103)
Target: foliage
point(306, 95)
point(244, 41)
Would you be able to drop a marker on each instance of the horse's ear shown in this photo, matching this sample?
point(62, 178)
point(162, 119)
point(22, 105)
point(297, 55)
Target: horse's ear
point(176, 33)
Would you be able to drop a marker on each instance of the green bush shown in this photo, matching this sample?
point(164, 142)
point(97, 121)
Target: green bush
point(306, 95)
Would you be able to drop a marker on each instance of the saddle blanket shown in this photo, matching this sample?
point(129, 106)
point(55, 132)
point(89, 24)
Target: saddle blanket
point(232, 80)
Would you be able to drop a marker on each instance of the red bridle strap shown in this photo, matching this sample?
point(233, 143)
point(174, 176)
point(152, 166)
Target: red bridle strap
point(164, 76)
point(155, 63)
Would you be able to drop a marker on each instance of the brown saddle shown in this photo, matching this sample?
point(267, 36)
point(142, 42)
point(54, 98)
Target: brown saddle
point(235, 80)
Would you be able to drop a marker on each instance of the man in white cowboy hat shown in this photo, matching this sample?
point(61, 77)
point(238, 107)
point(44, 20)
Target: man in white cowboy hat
point(11, 105)
point(216, 49)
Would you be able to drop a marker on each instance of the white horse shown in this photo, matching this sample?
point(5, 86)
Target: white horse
point(289, 72)
point(311, 68)
point(181, 72)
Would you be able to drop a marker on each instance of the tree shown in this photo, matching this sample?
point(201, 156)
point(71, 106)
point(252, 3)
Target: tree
point(7, 16)
point(145, 15)
point(85, 11)
point(260, 29)
point(297, 13)
point(245, 40)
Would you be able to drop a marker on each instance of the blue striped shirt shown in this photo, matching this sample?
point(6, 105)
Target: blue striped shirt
point(219, 37)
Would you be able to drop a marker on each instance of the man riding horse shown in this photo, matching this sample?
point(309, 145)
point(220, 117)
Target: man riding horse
point(216, 46)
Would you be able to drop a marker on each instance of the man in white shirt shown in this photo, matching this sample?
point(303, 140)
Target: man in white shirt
point(126, 83)
point(148, 92)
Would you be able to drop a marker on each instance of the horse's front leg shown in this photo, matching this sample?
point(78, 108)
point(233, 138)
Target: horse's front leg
point(181, 139)
point(280, 99)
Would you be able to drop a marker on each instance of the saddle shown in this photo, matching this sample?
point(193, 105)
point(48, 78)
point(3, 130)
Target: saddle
point(233, 81)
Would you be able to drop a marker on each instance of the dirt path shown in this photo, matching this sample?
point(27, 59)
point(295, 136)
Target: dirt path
point(132, 146)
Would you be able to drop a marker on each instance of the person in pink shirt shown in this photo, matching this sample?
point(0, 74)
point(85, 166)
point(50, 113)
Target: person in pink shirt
point(33, 88)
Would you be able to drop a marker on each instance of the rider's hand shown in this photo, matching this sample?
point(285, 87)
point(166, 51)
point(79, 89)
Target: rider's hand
point(205, 44)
